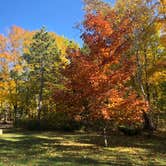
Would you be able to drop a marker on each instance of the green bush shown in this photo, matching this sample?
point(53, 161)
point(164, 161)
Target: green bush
point(51, 121)
point(130, 131)
point(30, 124)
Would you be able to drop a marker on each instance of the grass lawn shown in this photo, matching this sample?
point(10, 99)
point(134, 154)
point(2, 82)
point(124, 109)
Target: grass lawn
point(57, 148)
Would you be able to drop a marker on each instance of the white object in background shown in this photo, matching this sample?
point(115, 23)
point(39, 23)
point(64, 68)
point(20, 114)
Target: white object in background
point(1, 131)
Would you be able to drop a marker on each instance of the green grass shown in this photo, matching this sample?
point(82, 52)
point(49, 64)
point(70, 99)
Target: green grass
point(56, 148)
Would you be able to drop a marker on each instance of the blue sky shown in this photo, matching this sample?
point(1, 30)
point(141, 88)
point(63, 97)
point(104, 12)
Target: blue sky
point(59, 16)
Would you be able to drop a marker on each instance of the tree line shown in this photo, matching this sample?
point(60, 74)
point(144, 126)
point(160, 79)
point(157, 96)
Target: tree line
point(116, 78)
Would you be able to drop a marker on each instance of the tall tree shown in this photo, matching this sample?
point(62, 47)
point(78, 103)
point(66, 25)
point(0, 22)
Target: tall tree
point(148, 20)
point(96, 81)
point(44, 59)
point(12, 67)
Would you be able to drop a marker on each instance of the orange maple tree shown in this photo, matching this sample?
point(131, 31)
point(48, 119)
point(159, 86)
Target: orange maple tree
point(96, 83)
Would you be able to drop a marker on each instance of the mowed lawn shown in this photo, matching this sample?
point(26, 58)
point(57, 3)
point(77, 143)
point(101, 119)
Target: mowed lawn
point(60, 148)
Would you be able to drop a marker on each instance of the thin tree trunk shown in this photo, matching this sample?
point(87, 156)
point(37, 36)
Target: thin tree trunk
point(105, 137)
point(148, 124)
point(15, 114)
point(41, 93)
point(146, 79)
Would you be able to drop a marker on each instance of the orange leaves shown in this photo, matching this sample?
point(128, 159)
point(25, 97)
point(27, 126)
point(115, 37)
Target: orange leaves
point(96, 83)
point(11, 64)
point(2, 43)
point(125, 109)
point(16, 36)
point(105, 37)
point(94, 22)
point(96, 26)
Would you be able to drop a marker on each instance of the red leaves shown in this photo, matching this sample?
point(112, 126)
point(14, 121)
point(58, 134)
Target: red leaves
point(100, 77)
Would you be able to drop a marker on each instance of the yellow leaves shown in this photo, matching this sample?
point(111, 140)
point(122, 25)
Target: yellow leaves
point(158, 26)
point(12, 84)
point(11, 60)
point(162, 7)
point(163, 39)
point(161, 27)
point(18, 68)
point(9, 84)
point(27, 39)
point(6, 89)
point(62, 45)
point(158, 77)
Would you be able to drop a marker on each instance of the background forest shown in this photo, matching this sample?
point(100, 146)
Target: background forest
point(115, 80)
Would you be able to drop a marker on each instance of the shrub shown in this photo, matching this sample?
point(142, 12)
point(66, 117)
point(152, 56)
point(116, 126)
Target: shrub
point(52, 121)
point(130, 131)
point(30, 124)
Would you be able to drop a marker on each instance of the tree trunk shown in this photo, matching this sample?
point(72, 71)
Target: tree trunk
point(148, 123)
point(41, 93)
point(105, 137)
point(15, 114)
point(147, 87)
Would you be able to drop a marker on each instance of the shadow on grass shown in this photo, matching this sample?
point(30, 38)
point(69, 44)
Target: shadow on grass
point(25, 149)
point(155, 143)
point(55, 148)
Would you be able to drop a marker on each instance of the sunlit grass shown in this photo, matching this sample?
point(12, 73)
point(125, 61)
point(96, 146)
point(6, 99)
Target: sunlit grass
point(56, 148)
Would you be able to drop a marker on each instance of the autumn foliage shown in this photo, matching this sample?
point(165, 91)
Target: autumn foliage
point(96, 82)
point(116, 76)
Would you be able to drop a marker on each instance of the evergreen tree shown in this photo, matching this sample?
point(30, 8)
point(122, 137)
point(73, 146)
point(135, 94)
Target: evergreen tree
point(44, 61)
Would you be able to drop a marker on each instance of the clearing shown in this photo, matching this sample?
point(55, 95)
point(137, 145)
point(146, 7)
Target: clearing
point(60, 148)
